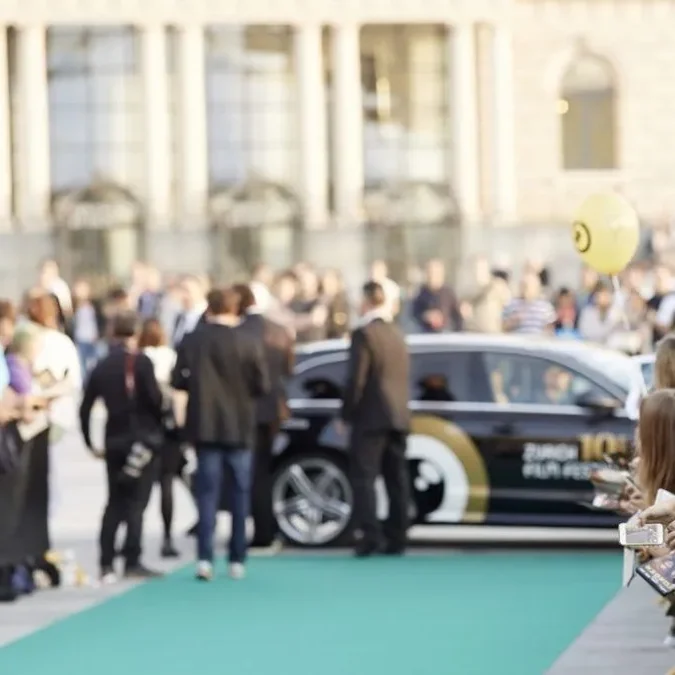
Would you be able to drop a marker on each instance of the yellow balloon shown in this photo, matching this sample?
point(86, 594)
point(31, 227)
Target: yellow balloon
point(606, 232)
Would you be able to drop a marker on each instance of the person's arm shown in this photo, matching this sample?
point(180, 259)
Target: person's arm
point(180, 375)
point(359, 366)
point(420, 307)
point(455, 319)
point(259, 377)
point(92, 392)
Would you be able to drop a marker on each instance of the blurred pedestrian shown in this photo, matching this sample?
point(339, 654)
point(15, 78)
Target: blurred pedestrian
point(224, 372)
point(375, 405)
point(125, 381)
point(272, 409)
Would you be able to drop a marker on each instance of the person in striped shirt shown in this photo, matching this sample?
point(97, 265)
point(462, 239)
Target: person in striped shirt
point(530, 313)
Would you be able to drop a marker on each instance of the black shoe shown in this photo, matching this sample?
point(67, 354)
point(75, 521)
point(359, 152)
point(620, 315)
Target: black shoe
point(366, 549)
point(168, 550)
point(7, 591)
point(192, 532)
point(394, 549)
point(141, 572)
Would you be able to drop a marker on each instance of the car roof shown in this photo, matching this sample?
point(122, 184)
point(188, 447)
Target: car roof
point(469, 340)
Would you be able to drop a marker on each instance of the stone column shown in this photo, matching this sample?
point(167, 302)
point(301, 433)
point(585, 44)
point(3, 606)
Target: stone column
point(31, 119)
point(192, 167)
point(347, 142)
point(312, 131)
point(504, 125)
point(464, 120)
point(158, 155)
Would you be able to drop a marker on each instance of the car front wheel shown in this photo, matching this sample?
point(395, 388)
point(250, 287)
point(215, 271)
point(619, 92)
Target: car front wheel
point(313, 499)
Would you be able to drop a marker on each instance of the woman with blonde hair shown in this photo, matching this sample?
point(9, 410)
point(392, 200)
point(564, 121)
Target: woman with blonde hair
point(664, 365)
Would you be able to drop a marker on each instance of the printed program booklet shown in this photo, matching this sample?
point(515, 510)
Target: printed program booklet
point(659, 573)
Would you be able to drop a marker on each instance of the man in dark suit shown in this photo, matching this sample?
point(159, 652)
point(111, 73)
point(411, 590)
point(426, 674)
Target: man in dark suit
point(272, 409)
point(125, 381)
point(194, 308)
point(224, 372)
point(375, 404)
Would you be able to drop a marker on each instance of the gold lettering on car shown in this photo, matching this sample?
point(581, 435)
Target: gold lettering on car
point(595, 447)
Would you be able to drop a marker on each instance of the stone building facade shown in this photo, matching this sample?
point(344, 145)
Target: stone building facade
point(203, 135)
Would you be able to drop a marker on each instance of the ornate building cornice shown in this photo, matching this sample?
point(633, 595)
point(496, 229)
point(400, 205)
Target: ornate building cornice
point(249, 11)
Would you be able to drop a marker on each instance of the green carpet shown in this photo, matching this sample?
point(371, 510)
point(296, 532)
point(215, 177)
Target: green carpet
point(469, 614)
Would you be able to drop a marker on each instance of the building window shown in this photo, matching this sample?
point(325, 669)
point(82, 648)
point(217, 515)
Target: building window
point(251, 99)
point(97, 149)
point(404, 77)
point(96, 108)
point(587, 110)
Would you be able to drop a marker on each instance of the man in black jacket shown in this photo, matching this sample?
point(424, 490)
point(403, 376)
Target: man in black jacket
point(375, 404)
point(272, 409)
point(223, 371)
point(125, 381)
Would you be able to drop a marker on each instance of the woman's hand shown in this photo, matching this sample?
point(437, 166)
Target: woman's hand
point(663, 512)
point(631, 500)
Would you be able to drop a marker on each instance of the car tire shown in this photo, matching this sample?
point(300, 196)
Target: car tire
point(313, 499)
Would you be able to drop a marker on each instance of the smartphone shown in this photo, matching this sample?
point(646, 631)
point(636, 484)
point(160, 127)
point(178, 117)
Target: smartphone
point(639, 537)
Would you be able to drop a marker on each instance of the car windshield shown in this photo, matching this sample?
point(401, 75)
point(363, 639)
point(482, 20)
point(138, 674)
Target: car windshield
point(614, 365)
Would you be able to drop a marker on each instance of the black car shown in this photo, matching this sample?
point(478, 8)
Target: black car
point(505, 432)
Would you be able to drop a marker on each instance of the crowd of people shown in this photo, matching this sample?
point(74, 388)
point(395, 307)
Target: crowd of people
point(182, 364)
point(316, 304)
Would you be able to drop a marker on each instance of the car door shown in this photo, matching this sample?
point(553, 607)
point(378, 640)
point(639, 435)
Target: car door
point(449, 474)
point(543, 446)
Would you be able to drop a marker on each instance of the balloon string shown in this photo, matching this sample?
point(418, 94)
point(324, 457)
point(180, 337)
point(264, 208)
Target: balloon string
point(622, 306)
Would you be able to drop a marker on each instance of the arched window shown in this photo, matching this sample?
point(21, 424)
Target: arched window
point(588, 116)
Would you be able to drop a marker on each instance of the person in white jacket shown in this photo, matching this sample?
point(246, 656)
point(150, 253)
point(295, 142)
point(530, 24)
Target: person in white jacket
point(58, 377)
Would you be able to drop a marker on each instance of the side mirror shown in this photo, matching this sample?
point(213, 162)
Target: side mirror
point(597, 403)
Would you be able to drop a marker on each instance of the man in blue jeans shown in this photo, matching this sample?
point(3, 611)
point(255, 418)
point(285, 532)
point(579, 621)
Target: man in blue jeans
point(223, 372)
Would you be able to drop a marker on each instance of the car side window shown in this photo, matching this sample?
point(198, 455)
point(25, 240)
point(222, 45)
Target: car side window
point(517, 378)
point(320, 381)
point(446, 377)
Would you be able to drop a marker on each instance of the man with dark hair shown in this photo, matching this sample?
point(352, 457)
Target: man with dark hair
point(223, 371)
point(125, 381)
point(375, 404)
point(271, 410)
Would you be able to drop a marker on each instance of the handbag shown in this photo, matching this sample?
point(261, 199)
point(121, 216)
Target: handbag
point(10, 449)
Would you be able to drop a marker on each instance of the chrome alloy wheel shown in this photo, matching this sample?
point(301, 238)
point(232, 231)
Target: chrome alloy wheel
point(312, 501)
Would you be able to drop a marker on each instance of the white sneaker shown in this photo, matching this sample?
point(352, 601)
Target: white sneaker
point(237, 571)
point(204, 570)
point(108, 578)
point(670, 641)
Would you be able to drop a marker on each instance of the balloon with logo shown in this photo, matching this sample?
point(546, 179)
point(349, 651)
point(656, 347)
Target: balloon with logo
point(606, 232)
